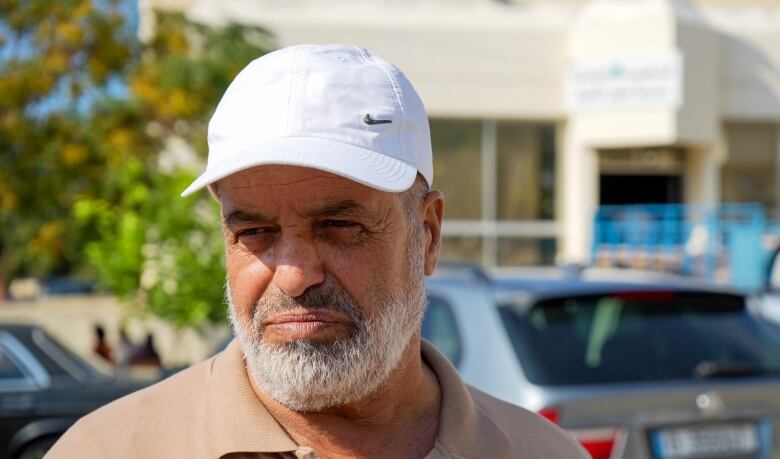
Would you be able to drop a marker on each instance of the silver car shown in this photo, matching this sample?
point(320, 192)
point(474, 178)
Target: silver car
point(641, 369)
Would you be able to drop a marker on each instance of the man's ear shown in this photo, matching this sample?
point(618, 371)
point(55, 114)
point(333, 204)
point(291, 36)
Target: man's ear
point(433, 214)
point(214, 190)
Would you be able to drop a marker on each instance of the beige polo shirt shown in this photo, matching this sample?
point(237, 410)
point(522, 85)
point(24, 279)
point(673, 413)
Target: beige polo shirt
point(210, 411)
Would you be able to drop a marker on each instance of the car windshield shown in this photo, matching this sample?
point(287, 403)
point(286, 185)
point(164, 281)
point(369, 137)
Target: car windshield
point(59, 361)
point(640, 336)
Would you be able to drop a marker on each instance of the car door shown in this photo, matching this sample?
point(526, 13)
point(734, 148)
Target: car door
point(21, 378)
point(463, 322)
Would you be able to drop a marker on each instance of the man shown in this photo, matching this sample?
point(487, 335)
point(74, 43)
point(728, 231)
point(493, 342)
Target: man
point(320, 158)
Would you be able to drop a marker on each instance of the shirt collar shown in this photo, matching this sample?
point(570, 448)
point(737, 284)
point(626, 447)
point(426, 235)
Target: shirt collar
point(465, 430)
point(239, 422)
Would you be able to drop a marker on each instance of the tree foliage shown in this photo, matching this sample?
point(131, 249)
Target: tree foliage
point(54, 56)
point(94, 129)
point(161, 252)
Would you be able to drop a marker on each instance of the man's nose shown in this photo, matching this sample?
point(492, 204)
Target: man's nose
point(297, 265)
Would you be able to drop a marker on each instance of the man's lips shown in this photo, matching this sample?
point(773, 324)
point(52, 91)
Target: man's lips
point(306, 316)
point(304, 324)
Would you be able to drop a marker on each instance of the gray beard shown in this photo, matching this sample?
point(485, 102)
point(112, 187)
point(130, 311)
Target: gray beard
point(306, 375)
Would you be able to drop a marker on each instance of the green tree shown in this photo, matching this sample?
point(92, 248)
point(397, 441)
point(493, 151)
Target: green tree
point(162, 253)
point(54, 57)
point(87, 184)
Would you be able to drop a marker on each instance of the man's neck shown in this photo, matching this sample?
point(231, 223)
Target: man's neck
point(400, 419)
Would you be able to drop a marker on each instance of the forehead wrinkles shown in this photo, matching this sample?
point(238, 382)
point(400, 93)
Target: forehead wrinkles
point(241, 186)
point(263, 214)
point(283, 184)
point(278, 177)
point(306, 201)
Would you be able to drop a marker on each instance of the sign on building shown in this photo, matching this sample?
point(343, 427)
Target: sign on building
point(637, 82)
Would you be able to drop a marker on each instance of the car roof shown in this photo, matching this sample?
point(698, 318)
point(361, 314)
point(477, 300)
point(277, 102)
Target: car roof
point(556, 282)
point(56, 358)
point(18, 330)
point(460, 271)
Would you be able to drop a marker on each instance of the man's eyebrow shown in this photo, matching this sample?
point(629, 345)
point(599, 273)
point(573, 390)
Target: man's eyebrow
point(240, 217)
point(345, 208)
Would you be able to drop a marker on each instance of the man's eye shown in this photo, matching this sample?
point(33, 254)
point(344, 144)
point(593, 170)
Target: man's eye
point(340, 224)
point(253, 232)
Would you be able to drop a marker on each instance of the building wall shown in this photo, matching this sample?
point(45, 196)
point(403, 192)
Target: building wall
point(466, 59)
point(489, 62)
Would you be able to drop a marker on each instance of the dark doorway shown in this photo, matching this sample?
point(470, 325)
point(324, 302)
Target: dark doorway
point(640, 189)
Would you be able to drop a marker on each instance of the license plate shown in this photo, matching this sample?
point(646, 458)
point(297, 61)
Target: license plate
point(712, 441)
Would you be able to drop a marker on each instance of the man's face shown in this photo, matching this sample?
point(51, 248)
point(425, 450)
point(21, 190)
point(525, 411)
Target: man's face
point(325, 282)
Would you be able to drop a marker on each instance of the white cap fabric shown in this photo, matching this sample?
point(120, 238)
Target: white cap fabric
point(335, 108)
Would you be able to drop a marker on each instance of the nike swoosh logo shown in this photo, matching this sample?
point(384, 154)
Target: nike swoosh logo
point(368, 120)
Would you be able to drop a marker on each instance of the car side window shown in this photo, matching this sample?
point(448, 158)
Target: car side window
point(19, 371)
point(440, 327)
point(9, 370)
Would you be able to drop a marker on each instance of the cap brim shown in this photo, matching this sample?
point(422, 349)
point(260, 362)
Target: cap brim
point(361, 165)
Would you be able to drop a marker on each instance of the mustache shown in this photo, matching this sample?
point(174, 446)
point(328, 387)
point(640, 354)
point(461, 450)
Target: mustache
point(328, 296)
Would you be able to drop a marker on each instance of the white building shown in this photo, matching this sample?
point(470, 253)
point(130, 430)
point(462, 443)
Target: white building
point(543, 110)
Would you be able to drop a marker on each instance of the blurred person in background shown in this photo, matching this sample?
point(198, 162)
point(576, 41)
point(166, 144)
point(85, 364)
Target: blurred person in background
point(101, 346)
point(124, 352)
point(321, 160)
point(146, 354)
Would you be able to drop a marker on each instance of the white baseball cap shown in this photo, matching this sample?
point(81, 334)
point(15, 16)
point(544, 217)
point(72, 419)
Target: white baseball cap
point(336, 108)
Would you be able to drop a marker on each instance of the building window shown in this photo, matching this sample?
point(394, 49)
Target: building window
point(498, 178)
point(749, 171)
point(525, 171)
point(517, 251)
point(457, 166)
point(464, 248)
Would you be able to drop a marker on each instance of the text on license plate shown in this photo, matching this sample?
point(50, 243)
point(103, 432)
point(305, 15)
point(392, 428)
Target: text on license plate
point(717, 440)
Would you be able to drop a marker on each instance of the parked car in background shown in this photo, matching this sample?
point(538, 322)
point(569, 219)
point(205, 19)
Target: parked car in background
point(44, 389)
point(768, 301)
point(639, 368)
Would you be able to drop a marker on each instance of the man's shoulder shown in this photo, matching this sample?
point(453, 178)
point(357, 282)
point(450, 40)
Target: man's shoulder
point(156, 401)
point(531, 435)
point(127, 423)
